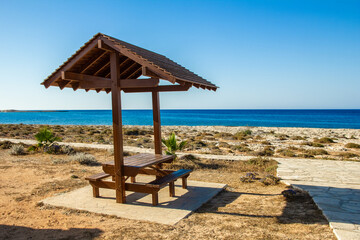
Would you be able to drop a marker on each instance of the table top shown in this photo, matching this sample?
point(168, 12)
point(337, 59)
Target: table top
point(143, 160)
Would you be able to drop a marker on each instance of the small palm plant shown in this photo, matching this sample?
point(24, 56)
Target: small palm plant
point(45, 138)
point(172, 145)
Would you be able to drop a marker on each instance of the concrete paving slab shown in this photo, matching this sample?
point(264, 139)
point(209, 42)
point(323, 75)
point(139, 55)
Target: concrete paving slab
point(169, 211)
point(335, 188)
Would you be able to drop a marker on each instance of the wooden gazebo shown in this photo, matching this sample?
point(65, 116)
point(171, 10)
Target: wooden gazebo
point(107, 64)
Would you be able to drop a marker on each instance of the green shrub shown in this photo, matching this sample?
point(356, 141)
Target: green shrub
point(241, 135)
point(305, 155)
point(317, 152)
point(172, 145)
point(312, 144)
point(297, 138)
point(352, 145)
point(323, 140)
point(286, 152)
point(45, 138)
point(85, 159)
point(241, 148)
point(17, 150)
point(267, 151)
point(259, 161)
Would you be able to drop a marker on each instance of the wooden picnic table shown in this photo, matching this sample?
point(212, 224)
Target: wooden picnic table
point(144, 163)
point(136, 164)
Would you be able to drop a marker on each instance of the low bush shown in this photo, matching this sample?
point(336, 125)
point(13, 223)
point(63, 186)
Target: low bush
point(68, 150)
point(270, 180)
point(286, 152)
point(317, 152)
point(347, 155)
point(249, 177)
point(323, 140)
point(352, 145)
point(17, 150)
point(5, 145)
point(259, 161)
point(267, 151)
point(241, 135)
point(241, 148)
point(312, 144)
point(297, 138)
point(85, 159)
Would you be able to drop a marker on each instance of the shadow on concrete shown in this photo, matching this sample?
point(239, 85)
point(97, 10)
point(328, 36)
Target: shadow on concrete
point(341, 205)
point(19, 232)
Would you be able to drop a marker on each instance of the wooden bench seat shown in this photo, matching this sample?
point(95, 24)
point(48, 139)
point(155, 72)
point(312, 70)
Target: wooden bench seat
point(169, 179)
point(96, 178)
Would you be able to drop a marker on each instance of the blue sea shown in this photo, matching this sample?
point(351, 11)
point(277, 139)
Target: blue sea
point(263, 118)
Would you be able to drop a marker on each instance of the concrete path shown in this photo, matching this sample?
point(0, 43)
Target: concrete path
point(334, 187)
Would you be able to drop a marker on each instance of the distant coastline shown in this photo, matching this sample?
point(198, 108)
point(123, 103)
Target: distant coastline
point(13, 110)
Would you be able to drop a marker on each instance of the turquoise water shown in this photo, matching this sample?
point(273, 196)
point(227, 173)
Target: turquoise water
point(265, 118)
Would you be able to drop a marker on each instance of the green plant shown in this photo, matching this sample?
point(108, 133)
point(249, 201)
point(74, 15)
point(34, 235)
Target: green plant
point(352, 145)
point(45, 138)
point(172, 145)
point(243, 134)
point(17, 150)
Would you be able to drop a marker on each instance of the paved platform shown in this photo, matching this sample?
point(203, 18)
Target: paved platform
point(169, 211)
point(334, 187)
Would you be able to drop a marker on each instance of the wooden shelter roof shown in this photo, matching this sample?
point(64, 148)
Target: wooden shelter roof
point(89, 69)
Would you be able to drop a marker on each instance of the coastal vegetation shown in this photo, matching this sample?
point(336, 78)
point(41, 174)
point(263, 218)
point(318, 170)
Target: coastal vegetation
point(239, 141)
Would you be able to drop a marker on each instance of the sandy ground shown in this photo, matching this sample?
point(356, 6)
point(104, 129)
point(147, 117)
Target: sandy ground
point(242, 211)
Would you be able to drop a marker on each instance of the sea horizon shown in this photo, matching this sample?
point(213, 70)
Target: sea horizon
point(306, 118)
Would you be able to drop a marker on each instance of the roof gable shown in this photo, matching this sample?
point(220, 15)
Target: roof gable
point(93, 59)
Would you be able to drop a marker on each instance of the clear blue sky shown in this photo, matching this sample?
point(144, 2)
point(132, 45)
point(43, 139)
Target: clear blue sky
point(262, 54)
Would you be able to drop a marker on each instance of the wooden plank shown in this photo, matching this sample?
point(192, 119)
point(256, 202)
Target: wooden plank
point(138, 83)
point(103, 46)
point(103, 184)
point(156, 122)
point(117, 128)
point(163, 88)
point(82, 77)
point(93, 62)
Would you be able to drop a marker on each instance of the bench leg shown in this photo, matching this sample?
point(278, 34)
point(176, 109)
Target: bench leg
point(172, 189)
point(184, 182)
point(155, 198)
point(95, 191)
point(132, 179)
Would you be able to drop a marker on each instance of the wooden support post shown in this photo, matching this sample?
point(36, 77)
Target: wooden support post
point(172, 189)
point(117, 128)
point(157, 124)
point(95, 191)
point(184, 182)
point(155, 198)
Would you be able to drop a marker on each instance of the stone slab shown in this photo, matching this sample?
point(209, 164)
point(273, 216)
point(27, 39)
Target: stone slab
point(335, 188)
point(139, 207)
